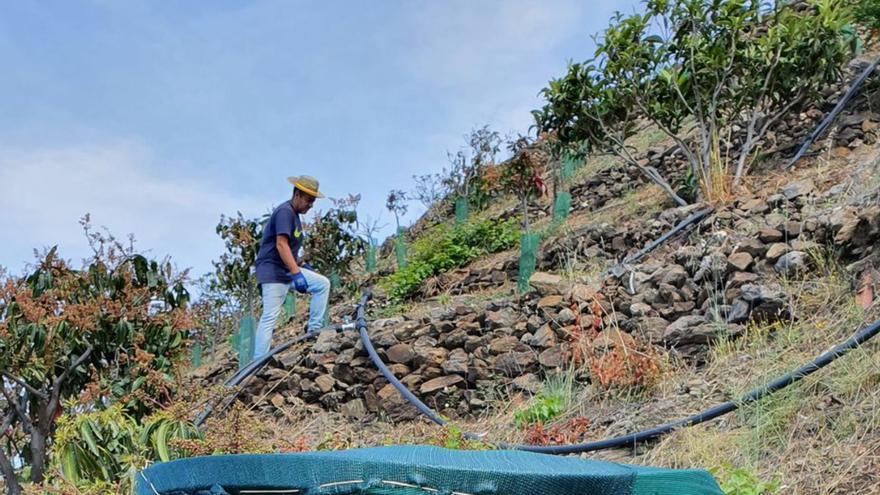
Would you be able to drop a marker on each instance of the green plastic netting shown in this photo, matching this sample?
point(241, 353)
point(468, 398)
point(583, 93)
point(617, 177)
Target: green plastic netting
point(289, 307)
point(400, 248)
point(528, 256)
point(370, 263)
point(562, 206)
point(245, 341)
point(569, 166)
point(196, 354)
point(462, 209)
point(407, 470)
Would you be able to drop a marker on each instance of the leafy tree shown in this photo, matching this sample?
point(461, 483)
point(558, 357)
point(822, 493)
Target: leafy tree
point(332, 243)
point(396, 204)
point(112, 332)
point(467, 166)
point(718, 65)
point(521, 175)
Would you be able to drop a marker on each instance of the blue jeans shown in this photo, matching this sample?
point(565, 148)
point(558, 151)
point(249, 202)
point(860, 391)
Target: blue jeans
point(273, 300)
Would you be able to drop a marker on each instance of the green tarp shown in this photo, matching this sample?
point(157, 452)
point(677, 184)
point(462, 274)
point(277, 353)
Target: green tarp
point(402, 470)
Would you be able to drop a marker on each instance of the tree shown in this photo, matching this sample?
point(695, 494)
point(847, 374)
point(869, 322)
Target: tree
point(234, 271)
point(728, 70)
point(112, 332)
point(396, 204)
point(467, 166)
point(429, 191)
point(332, 243)
point(521, 175)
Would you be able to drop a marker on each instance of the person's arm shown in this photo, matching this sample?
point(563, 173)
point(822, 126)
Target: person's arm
point(282, 244)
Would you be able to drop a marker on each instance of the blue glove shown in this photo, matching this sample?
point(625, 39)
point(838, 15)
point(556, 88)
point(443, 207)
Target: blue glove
point(300, 283)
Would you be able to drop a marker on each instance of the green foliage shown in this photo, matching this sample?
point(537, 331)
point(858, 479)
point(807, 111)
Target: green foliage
point(867, 12)
point(521, 176)
point(742, 481)
point(550, 403)
point(444, 248)
point(333, 245)
point(543, 409)
point(717, 63)
point(232, 272)
point(466, 177)
point(452, 437)
point(109, 446)
point(112, 332)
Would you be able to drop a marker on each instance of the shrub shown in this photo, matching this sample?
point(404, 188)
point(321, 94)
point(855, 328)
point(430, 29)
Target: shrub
point(867, 12)
point(626, 368)
point(444, 248)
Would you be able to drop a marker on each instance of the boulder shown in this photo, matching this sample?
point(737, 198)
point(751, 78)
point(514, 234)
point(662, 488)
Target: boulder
point(440, 383)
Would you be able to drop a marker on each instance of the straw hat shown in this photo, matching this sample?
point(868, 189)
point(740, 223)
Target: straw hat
point(306, 184)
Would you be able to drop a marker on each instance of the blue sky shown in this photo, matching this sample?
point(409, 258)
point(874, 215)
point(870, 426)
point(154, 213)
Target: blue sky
point(156, 117)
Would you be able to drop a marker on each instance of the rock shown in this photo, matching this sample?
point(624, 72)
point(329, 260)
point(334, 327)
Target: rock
point(776, 250)
point(400, 353)
point(456, 363)
point(277, 400)
point(500, 319)
point(355, 408)
point(528, 382)
point(565, 316)
point(754, 247)
point(514, 364)
point(325, 383)
point(767, 303)
point(639, 309)
point(797, 188)
point(552, 301)
point(326, 342)
point(649, 329)
point(755, 206)
point(740, 261)
point(740, 278)
point(690, 330)
point(394, 404)
point(674, 275)
point(712, 267)
point(440, 383)
point(792, 229)
point(769, 235)
point(582, 293)
point(546, 283)
point(399, 370)
point(791, 263)
point(544, 337)
point(553, 357)
point(504, 344)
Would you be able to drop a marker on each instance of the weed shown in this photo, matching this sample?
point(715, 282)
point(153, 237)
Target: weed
point(742, 481)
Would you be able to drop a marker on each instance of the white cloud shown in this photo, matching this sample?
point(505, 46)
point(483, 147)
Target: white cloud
point(46, 191)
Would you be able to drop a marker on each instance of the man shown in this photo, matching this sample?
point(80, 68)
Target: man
point(279, 264)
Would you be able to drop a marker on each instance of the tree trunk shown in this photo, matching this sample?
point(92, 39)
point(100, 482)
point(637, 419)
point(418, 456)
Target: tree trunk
point(525, 207)
point(38, 454)
point(12, 486)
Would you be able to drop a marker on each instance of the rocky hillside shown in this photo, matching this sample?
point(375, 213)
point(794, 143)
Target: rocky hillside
point(475, 351)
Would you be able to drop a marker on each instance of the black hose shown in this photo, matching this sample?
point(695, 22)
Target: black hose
point(783, 381)
point(694, 219)
point(254, 366)
point(829, 119)
point(633, 439)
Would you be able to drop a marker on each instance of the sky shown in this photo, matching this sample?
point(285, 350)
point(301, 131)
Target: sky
point(156, 117)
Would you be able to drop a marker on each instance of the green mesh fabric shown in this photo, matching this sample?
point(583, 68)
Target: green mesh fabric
point(289, 307)
point(410, 470)
point(196, 354)
point(461, 210)
point(400, 248)
point(569, 165)
point(528, 256)
point(562, 206)
point(370, 264)
point(245, 341)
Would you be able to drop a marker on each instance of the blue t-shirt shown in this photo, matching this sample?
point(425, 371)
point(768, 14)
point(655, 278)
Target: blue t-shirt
point(270, 267)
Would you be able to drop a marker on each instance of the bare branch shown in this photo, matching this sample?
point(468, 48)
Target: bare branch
point(29, 388)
